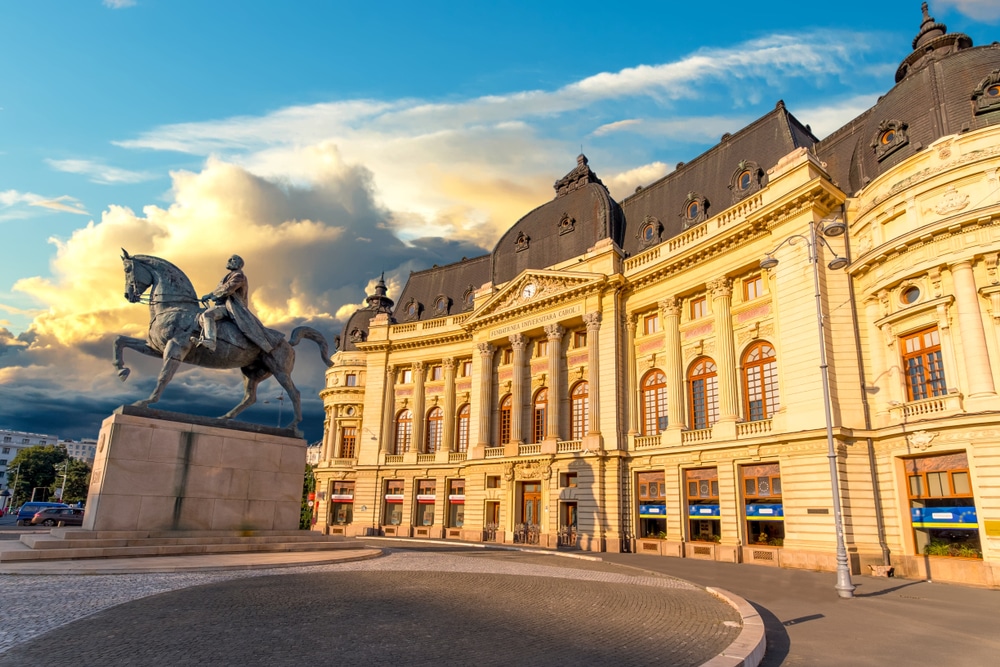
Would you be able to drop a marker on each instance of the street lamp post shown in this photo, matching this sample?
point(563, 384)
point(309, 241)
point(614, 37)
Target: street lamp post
point(13, 492)
point(815, 239)
point(65, 472)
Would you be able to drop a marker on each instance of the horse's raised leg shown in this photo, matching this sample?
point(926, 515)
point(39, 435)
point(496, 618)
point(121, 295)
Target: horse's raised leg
point(253, 375)
point(173, 354)
point(137, 344)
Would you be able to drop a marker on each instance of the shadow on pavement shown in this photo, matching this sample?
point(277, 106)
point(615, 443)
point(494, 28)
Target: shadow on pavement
point(778, 642)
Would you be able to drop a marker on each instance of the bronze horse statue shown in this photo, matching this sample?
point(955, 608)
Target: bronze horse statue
point(173, 335)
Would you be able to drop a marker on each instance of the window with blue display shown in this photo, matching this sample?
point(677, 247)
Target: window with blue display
point(763, 509)
point(942, 507)
point(651, 495)
point(704, 513)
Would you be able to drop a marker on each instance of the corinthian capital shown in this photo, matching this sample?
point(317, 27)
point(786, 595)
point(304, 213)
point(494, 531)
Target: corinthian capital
point(518, 341)
point(670, 307)
point(721, 287)
point(593, 321)
point(485, 349)
point(554, 332)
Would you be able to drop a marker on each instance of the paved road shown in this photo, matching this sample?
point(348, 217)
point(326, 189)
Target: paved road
point(443, 607)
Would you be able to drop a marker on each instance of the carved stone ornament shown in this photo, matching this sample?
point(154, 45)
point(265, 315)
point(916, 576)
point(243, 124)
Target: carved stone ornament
point(521, 242)
point(566, 224)
point(650, 232)
point(951, 201)
point(889, 137)
point(921, 439)
point(357, 335)
point(534, 469)
point(745, 180)
point(986, 96)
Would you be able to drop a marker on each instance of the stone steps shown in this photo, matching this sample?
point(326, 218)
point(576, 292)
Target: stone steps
point(75, 543)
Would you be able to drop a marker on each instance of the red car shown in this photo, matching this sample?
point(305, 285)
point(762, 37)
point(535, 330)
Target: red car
point(69, 516)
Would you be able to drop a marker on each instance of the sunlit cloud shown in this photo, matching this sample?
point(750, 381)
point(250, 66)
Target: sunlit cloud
point(13, 205)
point(981, 10)
point(100, 173)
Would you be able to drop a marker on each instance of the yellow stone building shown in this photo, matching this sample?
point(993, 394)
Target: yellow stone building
point(648, 375)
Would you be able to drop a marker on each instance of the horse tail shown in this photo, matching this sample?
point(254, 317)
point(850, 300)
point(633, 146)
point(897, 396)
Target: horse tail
point(298, 333)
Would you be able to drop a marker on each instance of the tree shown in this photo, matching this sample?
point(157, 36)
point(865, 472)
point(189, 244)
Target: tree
point(308, 489)
point(36, 468)
point(77, 481)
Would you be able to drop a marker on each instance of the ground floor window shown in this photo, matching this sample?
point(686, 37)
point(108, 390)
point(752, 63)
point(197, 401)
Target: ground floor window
point(651, 493)
point(704, 517)
point(456, 503)
point(342, 503)
point(765, 514)
point(393, 511)
point(491, 521)
point(567, 524)
point(425, 502)
point(942, 507)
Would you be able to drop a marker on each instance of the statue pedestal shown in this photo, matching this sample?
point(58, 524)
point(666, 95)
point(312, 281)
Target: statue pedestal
point(158, 470)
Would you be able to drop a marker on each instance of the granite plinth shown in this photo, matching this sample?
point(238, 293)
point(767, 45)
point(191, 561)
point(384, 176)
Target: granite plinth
point(156, 470)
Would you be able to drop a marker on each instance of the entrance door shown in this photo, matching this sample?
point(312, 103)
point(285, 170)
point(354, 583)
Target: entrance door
point(531, 503)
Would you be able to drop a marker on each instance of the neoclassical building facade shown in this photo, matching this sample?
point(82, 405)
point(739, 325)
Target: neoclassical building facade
point(649, 375)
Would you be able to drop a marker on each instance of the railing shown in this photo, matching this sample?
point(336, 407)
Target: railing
point(403, 328)
point(458, 319)
point(527, 533)
point(569, 446)
point(524, 450)
point(426, 458)
point(740, 210)
point(699, 435)
point(925, 407)
point(434, 324)
point(647, 441)
point(494, 452)
point(644, 258)
point(747, 429)
point(456, 457)
point(342, 462)
point(688, 237)
point(394, 458)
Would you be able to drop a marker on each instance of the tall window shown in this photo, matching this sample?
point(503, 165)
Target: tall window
point(406, 377)
point(404, 431)
point(654, 403)
point(466, 369)
point(435, 420)
point(651, 323)
point(699, 308)
point(351, 380)
point(922, 361)
point(753, 288)
point(507, 356)
point(538, 415)
point(462, 438)
point(505, 414)
point(703, 388)
point(579, 339)
point(760, 377)
point(579, 410)
point(542, 348)
point(348, 442)
point(437, 373)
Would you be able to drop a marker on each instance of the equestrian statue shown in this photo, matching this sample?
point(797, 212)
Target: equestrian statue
point(226, 335)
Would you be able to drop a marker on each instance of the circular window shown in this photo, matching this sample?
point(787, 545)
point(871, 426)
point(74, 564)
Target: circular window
point(411, 309)
point(888, 136)
point(470, 296)
point(350, 412)
point(744, 180)
point(910, 295)
point(692, 210)
point(648, 233)
point(441, 304)
point(993, 91)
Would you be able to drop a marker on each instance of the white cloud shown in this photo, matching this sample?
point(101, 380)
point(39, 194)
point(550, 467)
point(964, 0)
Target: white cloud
point(13, 205)
point(119, 4)
point(834, 114)
point(100, 173)
point(702, 129)
point(981, 10)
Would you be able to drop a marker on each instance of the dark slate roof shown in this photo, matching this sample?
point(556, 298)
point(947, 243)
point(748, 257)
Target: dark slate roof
point(452, 283)
point(581, 214)
point(932, 99)
point(711, 178)
point(356, 329)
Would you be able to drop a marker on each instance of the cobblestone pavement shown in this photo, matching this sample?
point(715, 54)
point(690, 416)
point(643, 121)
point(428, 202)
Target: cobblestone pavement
point(410, 607)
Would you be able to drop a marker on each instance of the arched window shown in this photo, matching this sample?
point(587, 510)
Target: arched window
point(703, 392)
point(579, 411)
point(462, 437)
point(434, 423)
point(538, 414)
point(404, 431)
point(505, 414)
point(654, 402)
point(760, 382)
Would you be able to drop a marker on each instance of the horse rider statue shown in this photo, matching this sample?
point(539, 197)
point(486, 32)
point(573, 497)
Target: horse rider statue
point(230, 297)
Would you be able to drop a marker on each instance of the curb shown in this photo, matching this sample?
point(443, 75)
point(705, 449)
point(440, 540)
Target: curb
point(748, 648)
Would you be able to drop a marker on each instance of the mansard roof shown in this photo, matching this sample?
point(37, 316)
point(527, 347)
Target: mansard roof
point(442, 290)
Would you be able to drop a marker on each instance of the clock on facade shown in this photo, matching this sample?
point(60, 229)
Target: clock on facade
point(528, 291)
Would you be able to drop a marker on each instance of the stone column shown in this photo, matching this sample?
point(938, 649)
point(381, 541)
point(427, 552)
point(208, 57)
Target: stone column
point(335, 433)
point(385, 443)
point(670, 309)
point(418, 407)
point(327, 431)
point(878, 369)
point(519, 343)
point(593, 322)
point(485, 380)
point(554, 334)
point(725, 355)
point(970, 324)
point(448, 423)
point(631, 375)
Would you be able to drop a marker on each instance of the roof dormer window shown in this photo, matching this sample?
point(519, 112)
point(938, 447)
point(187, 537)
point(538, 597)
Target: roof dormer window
point(650, 231)
point(890, 136)
point(745, 180)
point(986, 96)
point(694, 210)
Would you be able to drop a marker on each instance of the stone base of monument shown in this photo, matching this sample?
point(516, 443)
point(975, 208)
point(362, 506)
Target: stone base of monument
point(168, 484)
point(158, 471)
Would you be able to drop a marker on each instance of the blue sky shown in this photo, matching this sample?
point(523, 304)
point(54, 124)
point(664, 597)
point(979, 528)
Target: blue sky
point(327, 142)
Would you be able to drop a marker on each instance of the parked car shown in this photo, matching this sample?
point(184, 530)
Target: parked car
point(68, 516)
point(29, 509)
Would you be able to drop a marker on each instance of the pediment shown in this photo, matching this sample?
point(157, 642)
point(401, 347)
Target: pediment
point(532, 289)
